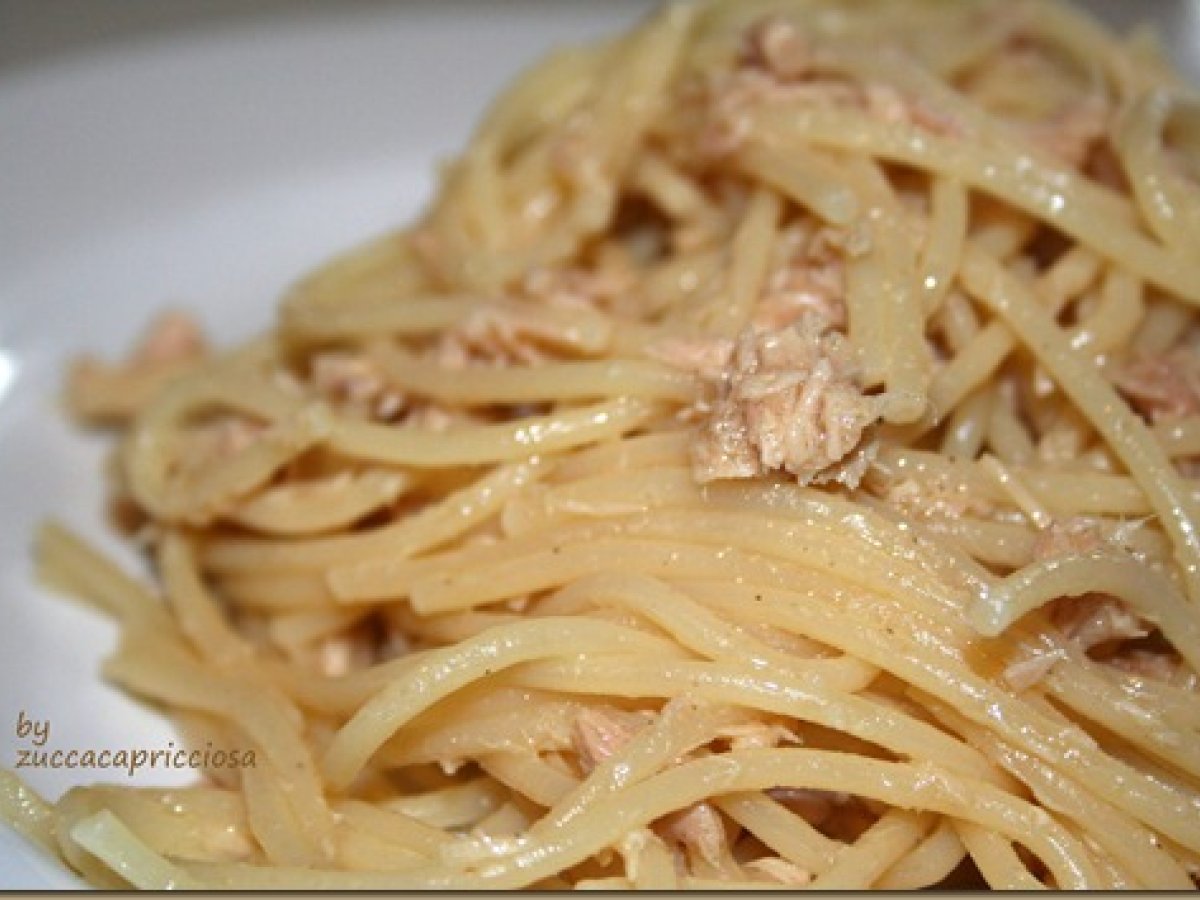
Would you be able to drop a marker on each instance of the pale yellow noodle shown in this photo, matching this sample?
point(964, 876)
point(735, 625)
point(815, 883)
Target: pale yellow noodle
point(948, 216)
point(930, 862)
point(996, 859)
point(490, 554)
point(327, 504)
point(896, 833)
point(1128, 435)
point(107, 838)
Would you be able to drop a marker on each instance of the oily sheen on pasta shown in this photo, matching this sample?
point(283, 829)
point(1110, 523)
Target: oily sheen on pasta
point(771, 460)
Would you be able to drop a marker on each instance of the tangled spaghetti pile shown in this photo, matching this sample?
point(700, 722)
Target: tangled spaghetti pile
point(770, 460)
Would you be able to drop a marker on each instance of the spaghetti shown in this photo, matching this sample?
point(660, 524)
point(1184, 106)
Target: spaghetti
point(769, 462)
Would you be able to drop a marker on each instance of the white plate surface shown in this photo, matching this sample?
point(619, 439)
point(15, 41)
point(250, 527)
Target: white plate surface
point(208, 171)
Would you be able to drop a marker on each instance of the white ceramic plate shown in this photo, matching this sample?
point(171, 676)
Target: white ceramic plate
point(208, 171)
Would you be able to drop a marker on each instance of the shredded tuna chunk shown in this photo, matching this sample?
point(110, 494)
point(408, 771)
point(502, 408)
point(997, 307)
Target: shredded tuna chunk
point(780, 870)
point(485, 337)
point(171, 337)
point(357, 384)
point(601, 731)
point(1075, 131)
point(218, 440)
point(430, 249)
point(501, 336)
point(887, 104)
point(1075, 535)
point(777, 46)
point(793, 296)
point(758, 735)
point(1147, 664)
point(699, 829)
point(347, 377)
point(170, 345)
point(576, 288)
point(729, 98)
point(791, 401)
point(779, 65)
point(808, 275)
point(1095, 619)
point(1031, 670)
point(1067, 120)
point(1081, 534)
point(1092, 619)
point(634, 845)
point(431, 417)
point(932, 497)
point(1163, 387)
point(707, 357)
